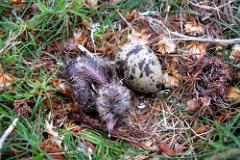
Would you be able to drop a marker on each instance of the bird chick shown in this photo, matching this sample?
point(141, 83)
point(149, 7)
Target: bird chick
point(113, 103)
point(94, 84)
point(84, 73)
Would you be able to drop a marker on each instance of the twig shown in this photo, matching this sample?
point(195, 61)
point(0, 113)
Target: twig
point(8, 132)
point(178, 55)
point(94, 28)
point(86, 51)
point(209, 7)
point(207, 39)
point(216, 8)
point(124, 19)
point(190, 38)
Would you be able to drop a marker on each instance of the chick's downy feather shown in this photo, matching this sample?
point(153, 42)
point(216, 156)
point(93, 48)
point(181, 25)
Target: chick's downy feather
point(96, 86)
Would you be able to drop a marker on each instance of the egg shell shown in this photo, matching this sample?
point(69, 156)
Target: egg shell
point(140, 67)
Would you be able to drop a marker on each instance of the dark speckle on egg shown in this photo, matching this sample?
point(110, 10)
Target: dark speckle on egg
point(133, 70)
point(152, 62)
point(135, 50)
point(149, 50)
point(147, 70)
point(140, 64)
point(131, 77)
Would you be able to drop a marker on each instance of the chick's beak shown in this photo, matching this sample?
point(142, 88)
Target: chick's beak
point(110, 125)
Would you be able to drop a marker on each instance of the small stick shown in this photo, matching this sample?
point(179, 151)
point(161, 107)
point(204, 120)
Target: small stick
point(178, 55)
point(183, 37)
point(209, 7)
point(207, 39)
point(86, 51)
point(8, 132)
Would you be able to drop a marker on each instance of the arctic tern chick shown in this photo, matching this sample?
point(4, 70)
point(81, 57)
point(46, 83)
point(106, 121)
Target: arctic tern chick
point(96, 87)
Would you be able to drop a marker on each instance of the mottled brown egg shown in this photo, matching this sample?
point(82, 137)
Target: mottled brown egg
point(139, 67)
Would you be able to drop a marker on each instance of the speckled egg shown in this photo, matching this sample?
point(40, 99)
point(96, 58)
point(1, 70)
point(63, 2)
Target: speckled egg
point(139, 67)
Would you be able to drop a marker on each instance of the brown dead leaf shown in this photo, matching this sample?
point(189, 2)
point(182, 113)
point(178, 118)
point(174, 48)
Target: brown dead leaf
point(92, 3)
point(233, 94)
point(202, 129)
point(199, 48)
point(21, 106)
point(5, 80)
point(107, 49)
point(192, 105)
point(72, 107)
point(132, 15)
point(137, 118)
point(103, 50)
point(165, 45)
point(172, 67)
point(172, 78)
point(54, 104)
point(80, 37)
point(157, 107)
point(62, 87)
point(89, 45)
point(86, 24)
point(107, 36)
point(224, 116)
point(194, 28)
point(51, 147)
point(17, 2)
point(145, 25)
point(165, 149)
point(75, 127)
point(171, 81)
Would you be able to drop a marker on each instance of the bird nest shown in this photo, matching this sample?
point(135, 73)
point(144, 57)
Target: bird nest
point(166, 123)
